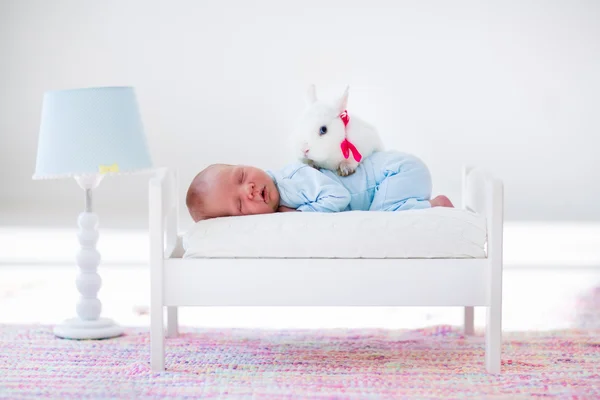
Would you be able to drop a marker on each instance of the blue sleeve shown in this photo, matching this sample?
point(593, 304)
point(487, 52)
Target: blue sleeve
point(308, 189)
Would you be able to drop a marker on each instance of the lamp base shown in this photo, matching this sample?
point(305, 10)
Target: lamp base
point(75, 328)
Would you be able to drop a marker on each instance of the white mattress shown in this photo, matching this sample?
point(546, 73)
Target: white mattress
point(431, 233)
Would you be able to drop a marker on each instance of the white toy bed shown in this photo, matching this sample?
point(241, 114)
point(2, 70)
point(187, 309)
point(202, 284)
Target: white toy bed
point(434, 257)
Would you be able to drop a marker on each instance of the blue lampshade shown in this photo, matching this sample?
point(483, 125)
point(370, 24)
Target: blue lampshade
point(90, 131)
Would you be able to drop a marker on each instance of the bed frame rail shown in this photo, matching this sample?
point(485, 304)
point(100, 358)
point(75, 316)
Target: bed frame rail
point(358, 282)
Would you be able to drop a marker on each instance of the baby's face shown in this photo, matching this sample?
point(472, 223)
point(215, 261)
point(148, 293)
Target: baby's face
point(240, 190)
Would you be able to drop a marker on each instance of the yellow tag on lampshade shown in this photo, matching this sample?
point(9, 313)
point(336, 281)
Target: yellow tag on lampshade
point(108, 168)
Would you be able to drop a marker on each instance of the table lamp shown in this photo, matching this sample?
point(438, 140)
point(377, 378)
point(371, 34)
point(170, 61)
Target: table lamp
point(87, 134)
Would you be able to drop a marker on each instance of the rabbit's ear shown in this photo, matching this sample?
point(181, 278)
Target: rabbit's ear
point(311, 94)
point(342, 103)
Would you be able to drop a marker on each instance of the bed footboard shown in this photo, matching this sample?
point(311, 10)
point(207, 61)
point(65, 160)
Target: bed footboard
point(484, 194)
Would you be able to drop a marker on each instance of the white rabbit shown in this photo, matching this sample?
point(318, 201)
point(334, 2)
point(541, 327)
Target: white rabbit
point(328, 136)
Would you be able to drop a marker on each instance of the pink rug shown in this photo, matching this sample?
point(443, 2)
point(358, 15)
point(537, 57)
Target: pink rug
point(433, 363)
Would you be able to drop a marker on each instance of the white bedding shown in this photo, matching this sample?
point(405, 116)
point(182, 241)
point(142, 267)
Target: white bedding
point(432, 233)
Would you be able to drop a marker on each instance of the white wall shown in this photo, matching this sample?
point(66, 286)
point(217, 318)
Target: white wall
point(513, 86)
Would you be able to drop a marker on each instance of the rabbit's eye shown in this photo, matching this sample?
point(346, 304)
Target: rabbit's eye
point(323, 130)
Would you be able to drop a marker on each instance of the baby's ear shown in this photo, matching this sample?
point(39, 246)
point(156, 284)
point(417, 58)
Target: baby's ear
point(311, 94)
point(342, 103)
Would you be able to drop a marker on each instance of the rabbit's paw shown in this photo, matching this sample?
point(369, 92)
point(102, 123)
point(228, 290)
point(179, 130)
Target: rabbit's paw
point(310, 163)
point(346, 168)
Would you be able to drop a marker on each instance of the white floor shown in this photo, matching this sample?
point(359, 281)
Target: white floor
point(551, 281)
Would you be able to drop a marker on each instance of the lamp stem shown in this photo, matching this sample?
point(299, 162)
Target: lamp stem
point(88, 200)
point(88, 324)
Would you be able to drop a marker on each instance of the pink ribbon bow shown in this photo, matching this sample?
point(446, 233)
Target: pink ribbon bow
point(346, 145)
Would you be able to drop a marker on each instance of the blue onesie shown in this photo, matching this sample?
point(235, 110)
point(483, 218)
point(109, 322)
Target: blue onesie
point(384, 181)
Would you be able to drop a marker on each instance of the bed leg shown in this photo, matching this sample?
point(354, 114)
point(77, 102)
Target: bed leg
point(493, 329)
point(172, 322)
point(493, 339)
point(157, 339)
point(469, 317)
point(469, 320)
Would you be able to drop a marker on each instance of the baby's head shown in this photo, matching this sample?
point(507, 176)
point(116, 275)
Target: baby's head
point(222, 190)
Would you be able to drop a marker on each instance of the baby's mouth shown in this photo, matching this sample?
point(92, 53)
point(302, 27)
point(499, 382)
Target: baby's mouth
point(263, 193)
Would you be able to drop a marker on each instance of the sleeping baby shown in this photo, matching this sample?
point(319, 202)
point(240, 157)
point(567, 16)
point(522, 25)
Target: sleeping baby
point(384, 181)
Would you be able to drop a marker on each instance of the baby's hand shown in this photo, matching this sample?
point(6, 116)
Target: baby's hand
point(285, 209)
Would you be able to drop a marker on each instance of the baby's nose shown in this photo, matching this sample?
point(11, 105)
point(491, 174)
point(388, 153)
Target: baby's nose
point(252, 191)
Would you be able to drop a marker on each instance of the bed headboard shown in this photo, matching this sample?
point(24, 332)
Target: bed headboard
point(164, 213)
